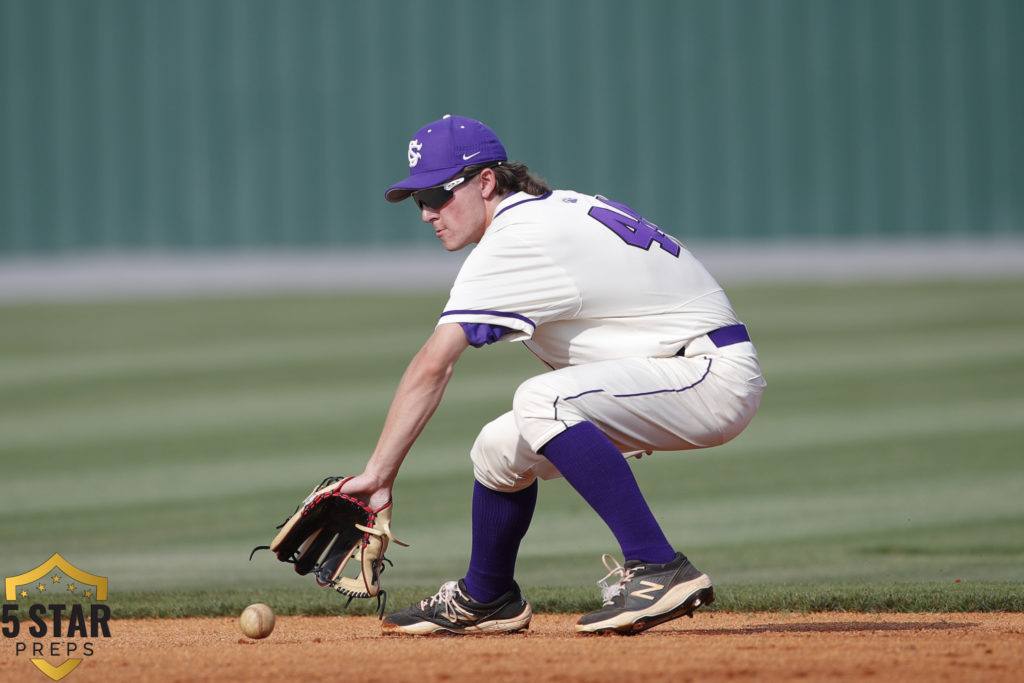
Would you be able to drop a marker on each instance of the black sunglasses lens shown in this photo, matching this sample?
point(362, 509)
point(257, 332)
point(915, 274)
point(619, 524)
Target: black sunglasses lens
point(433, 197)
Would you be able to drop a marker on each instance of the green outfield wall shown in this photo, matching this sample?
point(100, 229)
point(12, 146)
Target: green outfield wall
point(227, 124)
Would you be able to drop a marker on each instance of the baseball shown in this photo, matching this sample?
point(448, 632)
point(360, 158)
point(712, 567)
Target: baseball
point(257, 620)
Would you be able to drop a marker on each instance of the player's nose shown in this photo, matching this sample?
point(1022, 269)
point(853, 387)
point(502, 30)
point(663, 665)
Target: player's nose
point(428, 215)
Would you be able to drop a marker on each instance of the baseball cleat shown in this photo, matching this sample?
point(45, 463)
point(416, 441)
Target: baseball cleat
point(452, 611)
point(646, 595)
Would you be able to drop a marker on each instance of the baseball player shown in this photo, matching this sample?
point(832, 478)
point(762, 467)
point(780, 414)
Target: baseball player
point(643, 353)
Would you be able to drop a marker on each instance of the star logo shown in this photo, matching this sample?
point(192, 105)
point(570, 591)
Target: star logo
point(56, 635)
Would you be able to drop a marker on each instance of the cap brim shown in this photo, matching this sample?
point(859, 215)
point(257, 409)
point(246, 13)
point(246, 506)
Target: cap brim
point(421, 181)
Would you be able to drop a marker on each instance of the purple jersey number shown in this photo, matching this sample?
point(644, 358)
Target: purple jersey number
point(634, 229)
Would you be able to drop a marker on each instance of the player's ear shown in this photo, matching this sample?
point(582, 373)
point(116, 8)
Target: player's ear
point(488, 183)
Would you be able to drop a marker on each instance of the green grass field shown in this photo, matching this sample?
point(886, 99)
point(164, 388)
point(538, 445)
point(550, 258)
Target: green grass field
point(156, 442)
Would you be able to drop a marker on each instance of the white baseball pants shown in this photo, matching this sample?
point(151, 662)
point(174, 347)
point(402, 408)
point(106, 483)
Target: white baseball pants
point(701, 399)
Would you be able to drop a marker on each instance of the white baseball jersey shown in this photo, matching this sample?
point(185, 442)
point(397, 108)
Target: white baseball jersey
point(608, 301)
point(583, 279)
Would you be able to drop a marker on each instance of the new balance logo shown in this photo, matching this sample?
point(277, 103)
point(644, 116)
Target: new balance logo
point(651, 587)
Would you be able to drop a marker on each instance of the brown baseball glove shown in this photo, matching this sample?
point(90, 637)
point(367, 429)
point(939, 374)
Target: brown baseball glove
point(328, 530)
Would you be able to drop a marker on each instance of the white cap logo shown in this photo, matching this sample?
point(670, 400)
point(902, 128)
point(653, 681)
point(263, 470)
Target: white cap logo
point(414, 152)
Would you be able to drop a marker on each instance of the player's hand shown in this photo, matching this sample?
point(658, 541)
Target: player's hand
point(369, 488)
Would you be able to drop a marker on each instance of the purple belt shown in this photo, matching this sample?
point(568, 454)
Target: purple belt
point(725, 336)
point(734, 334)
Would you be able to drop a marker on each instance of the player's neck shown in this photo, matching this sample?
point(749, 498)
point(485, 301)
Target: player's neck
point(492, 203)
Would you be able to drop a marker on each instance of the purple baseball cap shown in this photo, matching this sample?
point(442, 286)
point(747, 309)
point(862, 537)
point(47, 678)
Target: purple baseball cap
point(441, 149)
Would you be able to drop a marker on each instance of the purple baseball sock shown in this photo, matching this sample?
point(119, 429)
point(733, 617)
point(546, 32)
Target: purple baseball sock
point(500, 521)
point(593, 466)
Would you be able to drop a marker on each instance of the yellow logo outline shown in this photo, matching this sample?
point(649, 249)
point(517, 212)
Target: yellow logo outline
point(56, 561)
point(56, 672)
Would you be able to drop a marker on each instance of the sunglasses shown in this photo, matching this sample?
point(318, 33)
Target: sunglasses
point(436, 197)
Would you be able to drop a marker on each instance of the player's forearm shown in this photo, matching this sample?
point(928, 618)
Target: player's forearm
point(418, 395)
point(417, 398)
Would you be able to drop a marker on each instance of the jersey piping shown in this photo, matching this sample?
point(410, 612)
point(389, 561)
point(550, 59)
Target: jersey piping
point(559, 399)
point(499, 314)
point(523, 201)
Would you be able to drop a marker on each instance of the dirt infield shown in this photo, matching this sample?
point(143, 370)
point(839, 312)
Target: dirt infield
point(713, 646)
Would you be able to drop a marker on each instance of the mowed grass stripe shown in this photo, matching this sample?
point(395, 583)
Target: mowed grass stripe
point(209, 412)
point(41, 327)
point(862, 423)
point(220, 411)
point(955, 351)
point(241, 353)
point(878, 507)
point(827, 308)
point(209, 480)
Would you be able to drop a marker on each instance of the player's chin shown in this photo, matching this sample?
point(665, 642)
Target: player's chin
point(449, 242)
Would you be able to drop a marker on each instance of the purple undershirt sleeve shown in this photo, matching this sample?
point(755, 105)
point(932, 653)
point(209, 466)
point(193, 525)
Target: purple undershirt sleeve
point(480, 334)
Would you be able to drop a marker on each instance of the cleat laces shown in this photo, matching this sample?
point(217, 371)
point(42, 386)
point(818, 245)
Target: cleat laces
point(447, 599)
point(610, 591)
